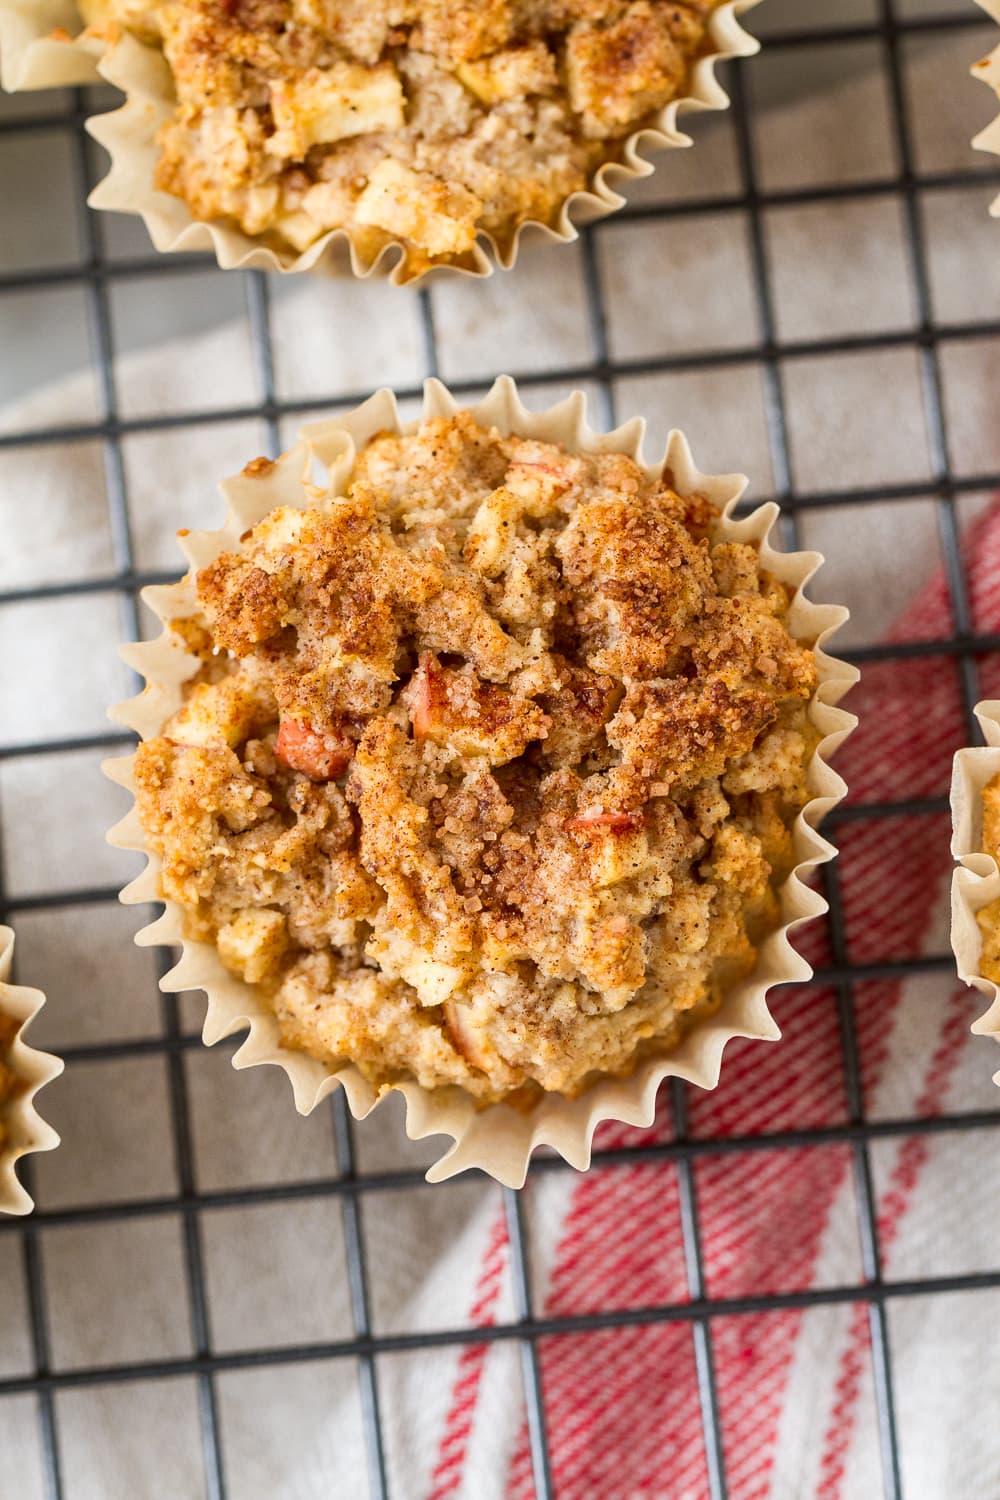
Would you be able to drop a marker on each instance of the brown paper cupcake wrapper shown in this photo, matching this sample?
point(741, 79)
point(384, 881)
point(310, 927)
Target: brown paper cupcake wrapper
point(497, 1139)
point(129, 134)
point(976, 881)
point(24, 1130)
point(988, 69)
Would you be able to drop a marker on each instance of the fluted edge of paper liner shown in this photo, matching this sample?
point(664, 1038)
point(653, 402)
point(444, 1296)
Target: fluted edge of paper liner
point(497, 1139)
point(26, 1130)
point(987, 69)
point(31, 57)
point(128, 135)
point(976, 879)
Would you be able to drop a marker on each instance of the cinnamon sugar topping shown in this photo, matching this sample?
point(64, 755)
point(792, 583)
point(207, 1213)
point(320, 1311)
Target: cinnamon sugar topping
point(488, 773)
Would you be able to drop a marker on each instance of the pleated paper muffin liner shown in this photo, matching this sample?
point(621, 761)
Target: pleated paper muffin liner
point(988, 69)
point(40, 48)
point(23, 1130)
point(497, 1139)
point(976, 881)
point(129, 135)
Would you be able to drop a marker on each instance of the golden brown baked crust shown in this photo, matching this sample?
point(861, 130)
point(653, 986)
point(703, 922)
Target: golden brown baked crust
point(989, 917)
point(8, 1079)
point(488, 774)
point(422, 121)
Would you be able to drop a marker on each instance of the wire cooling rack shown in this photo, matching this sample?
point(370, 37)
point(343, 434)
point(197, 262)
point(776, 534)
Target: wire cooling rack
point(348, 1183)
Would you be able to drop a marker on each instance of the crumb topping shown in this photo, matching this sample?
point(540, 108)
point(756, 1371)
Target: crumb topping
point(989, 917)
point(413, 120)
point(488, 772)
point(8, 1079)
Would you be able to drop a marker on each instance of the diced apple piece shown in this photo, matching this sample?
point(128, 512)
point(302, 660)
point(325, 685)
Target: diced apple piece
point(614, 822)
point(321, 757)
point(426, 695)
point(298, 228)
point(540, 475)
point(253, 943)
point(465, 1035)
point(492, 532)
point(475, 718)
point(513, 73)
point(219, 713)
point(433, 980)
point(323, 105)
point(439, 217)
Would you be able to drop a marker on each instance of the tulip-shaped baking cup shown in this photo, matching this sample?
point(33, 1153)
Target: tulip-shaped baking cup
point(498, 1139)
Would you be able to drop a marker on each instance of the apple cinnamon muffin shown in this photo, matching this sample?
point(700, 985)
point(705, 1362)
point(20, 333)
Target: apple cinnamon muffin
point(488, 771)
point(410, 121)
point(989, 916)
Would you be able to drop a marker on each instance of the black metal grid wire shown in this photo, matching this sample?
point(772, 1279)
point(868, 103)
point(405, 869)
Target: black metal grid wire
point(96, 272)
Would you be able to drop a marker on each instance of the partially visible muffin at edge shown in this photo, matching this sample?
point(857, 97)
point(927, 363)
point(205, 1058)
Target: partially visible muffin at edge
point(989, 916)
point(488, 773)
point(418, 121)
point(9, 1082)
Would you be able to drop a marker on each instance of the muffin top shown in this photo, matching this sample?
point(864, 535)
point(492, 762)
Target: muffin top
point(418, 121)
point(487, 774)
